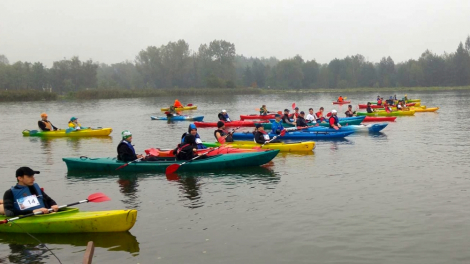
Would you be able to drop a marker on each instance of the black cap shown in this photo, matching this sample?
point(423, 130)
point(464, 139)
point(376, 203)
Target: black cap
point(277, 115)
point(258, 125)
point(286, 110)
point(296, 108)
point(22, 171)
point(302, 112)
point(350, 106)
point(220, 124)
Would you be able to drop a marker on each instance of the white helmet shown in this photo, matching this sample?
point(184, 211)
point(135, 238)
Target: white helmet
point(126, 134)
point(334, 111)
point(224, 111)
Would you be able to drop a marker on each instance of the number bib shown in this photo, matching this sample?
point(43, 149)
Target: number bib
point(27, 202)
point(266, 137)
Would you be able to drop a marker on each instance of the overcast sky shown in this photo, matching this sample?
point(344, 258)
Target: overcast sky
point(112, 31)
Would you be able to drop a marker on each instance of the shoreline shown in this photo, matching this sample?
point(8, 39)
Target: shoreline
point(33, 95)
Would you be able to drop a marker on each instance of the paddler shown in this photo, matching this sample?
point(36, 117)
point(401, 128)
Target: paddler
point(300, 122)
point(73, 124)
point(286, 117)
point(311, 118)
point(334, 121)
point(320, 116)
point(261, 137)
point(263, 110)
point(223, 116)
point(276, 126)
point(378, 98)
point(46, 125)
point(379, 101)
point(187, 149)
point(126, 151)
point(26, 196)
point(192, 130)
point(295, 114)
point(221, 132)
point(178, 104)
point(350, 112)
point(369, 108)
point(340, 99)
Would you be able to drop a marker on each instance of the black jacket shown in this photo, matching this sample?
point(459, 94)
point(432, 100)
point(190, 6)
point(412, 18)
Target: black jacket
point(125, 153)
point(185, 151)
point(8, 202)
point(301, 122)
point(42, 125)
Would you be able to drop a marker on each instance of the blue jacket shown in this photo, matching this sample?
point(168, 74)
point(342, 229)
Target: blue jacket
point(276, 127)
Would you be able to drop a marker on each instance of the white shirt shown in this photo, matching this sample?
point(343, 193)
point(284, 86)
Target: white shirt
point(311, 118)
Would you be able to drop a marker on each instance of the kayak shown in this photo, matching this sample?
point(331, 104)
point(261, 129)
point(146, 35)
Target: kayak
point(270, 116)
point(383, 113)
point(355, 121)
point(353, 128)
point(295, 135)
point(63, 133)
point(430, 109)
point(408, 104)
point(282, 147)
point(71, 220)
point(217, 162)
point(349, 119)
point(220, 150)
point(343, 102)
point(237, 123)
point(413, 100)
point(178, 118)
point(192, 107)
point(379, 118)
point(374, 106)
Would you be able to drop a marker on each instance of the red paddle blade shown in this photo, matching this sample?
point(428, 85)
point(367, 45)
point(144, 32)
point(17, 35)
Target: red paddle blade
point(190, 104)
point(279, 112)
point(98, 198)
point(152, 151)
point(283, 132)
point(172, 177)
point(172, 168)
point(167, 113)
point(293, 106)
point(122, 166)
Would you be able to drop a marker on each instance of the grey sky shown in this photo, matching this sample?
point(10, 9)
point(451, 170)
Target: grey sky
point(112, 31)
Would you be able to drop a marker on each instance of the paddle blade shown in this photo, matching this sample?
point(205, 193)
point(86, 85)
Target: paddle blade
point(98, 198)
point(190, 104)
point(221, 140)
point(122, 166)
point(257, 109)
point(171, 169)
point(279, 112)
point(293, 106)
point(152, 152)
point(172, 177)
point(283, 132)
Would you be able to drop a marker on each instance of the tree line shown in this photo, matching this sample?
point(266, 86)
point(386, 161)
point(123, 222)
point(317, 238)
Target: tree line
point(216, 65)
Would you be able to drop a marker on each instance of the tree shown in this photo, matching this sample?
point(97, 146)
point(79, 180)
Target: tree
point(4, 60)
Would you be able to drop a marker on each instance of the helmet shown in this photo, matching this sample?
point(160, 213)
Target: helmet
point(43, 115)
point(224, 111)
point(191, 127)
point(334, 111)
point(126, 134)
point(73, 118)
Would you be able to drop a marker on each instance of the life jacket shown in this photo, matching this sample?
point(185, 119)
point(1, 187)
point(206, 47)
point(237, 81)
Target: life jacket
point(73, 125)
point(126, 143)
point(296, 114)
point(48, 124)
point(180, 147)
point(285, 118)
point(177, 104)
point(222, 133)
point(336, 120)
point(265, 135)
point(20, 192)
point(340, 99)
point(223, 117)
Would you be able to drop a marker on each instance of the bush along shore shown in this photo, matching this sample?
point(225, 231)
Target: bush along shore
point(34, 95)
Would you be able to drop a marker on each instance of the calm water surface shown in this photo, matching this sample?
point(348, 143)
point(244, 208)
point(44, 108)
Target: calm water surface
point(400, 196)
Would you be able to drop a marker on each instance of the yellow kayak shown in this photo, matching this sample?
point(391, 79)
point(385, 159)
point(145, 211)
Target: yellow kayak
point(71, 220)
point(66, 133)
point(193, 107)
point(283, 147)
point(430, 109)
point(383, 113)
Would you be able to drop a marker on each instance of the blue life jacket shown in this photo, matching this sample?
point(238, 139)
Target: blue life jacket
point(20, 191)
point(128, 144)
point(199, 146)
point(276, 127)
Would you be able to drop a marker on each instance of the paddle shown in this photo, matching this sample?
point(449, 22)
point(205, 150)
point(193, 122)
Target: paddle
point(293, 106)
point(94, 198)
point(190, 105)
point(152, 152)
point(125, 165)
point(283, 132)
point(174, 167)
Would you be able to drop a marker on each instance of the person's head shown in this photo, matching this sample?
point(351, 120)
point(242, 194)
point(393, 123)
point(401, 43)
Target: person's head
point(334, 112)
point(74, 119)
point(368, 103)
point(44, 116)
point(277, 117)
point(192, 129)
point(220, 125)
point(264, 106)
point(126, 135)
point(190, 139)
point(381, 98)
point(310, 110)
point(224, 112)
point(296, 109)
point(259, 127)
point(25, 176)
point(302, 113)
point(349, 107)
point(321, 109)
point(286, 111)
point(378, 96)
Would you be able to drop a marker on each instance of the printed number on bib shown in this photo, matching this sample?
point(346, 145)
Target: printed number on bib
point(266, 137)
point(28, 202)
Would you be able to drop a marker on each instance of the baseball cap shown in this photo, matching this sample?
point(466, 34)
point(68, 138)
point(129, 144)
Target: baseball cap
point(296, 108)
point(286, 110)
point(302, 112)
point(25, 171)
point(258, 125)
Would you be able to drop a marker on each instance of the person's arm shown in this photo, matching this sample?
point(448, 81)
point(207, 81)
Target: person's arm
point(42, 126)
point(53, 127)
point(259, 138)
point(48, 201)
point(9, 207)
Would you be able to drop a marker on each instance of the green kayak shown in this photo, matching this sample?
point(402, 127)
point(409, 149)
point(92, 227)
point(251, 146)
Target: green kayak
point(216, 162)
point(341, 122)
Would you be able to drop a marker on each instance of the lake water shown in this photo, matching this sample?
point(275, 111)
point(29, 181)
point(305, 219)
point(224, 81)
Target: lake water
point(400, 196)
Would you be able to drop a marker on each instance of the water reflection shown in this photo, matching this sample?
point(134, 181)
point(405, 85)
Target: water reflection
point(25, 249)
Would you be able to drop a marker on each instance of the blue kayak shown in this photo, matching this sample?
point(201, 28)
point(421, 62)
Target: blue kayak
point(354, 128)
point(178, 118)
point(307, 135)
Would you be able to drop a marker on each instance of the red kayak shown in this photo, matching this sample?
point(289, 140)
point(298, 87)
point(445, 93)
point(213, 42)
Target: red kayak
point(230, 124)
point(343, 102)
point(220, 150)
point(379, 118)
point(270, 116)
point(364, 106)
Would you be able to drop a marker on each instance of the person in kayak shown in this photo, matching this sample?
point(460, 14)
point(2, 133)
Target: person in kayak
point(378, 98)
point(178, 104)
point(350, 112)
point(340, 99)
point(73, 124)
point(379, 101)
point(263, 110)
point(261, 137)
point(187, 149)
point(26, 196)
point(46, 125)
point(311, 118)
point(300, 122)
point(286, 117)
point(369, 108)
point(223, 116)
point(126, 151)
point(334, 121)
point(320, 116)
point(192, 130)
point(295, 114)
point(276, 126)
point(221, 132)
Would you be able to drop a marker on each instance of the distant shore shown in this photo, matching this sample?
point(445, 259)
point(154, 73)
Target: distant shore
point(34, 95)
